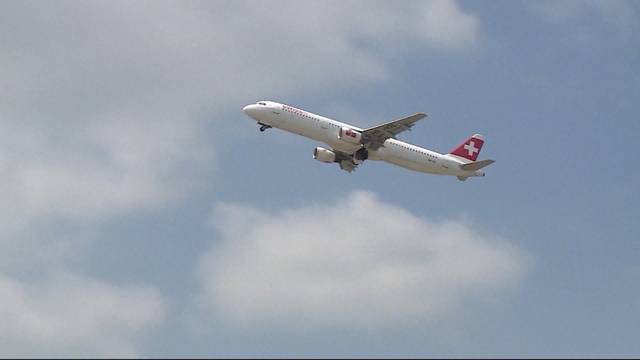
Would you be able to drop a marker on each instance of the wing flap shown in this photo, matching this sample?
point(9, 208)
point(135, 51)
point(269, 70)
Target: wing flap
point(347, 165)
point(345, 161)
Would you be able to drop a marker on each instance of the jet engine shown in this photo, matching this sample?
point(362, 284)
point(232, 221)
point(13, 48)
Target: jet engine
point(350, 135)
point(324, 155)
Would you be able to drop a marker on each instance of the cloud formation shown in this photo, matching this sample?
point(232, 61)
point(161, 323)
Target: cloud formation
point(70, 315)
point(356, 263)
point(105, 109)
point(103, 103)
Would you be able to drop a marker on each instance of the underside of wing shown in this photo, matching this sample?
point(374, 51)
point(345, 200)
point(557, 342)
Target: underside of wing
point(347, 165)
point(346, 161)
point(375, 136)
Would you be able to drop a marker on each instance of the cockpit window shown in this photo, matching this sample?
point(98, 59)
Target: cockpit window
point(262, 103)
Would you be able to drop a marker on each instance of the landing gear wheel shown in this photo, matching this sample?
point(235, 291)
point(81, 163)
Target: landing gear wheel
point(362, 154)
point(264, 127)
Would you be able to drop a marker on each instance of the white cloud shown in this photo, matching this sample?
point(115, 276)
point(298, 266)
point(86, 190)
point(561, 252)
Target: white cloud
point(359, 262)
point(445, 25)
point(74, 316)
point(104, 107)
point(102, 102)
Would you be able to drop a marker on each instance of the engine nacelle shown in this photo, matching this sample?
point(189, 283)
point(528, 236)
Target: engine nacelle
point(324, 155)
point(349, 135)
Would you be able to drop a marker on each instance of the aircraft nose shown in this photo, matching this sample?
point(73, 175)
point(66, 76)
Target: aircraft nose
point(250, 110)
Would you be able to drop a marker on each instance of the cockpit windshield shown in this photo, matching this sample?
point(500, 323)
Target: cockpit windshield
point(262, 103)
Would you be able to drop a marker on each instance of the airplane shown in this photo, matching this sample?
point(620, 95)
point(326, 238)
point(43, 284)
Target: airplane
point(350, 146)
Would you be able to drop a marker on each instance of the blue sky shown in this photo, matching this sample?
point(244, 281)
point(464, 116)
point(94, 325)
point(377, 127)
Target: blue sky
point(145, 215)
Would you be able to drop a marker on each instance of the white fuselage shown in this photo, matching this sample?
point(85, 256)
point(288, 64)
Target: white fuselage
point(327, 130)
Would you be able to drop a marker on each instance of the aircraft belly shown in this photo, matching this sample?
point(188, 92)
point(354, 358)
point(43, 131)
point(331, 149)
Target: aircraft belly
point(408, 164)
point(289, 123)
point(404, 159)
point(329, 136)
point(342, 146)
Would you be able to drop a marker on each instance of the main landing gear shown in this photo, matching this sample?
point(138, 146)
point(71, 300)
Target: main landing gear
point(362, 154)
point(264, 127)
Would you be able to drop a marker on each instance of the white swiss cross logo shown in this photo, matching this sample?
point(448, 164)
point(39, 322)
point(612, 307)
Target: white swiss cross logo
point(471, 148)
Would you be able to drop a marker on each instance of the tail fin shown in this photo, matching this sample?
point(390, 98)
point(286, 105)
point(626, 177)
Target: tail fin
point(470, 149)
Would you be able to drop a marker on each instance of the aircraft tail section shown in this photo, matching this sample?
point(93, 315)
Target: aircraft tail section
point(470, 148)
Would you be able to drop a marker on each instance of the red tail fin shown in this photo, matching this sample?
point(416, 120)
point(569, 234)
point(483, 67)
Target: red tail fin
point(470, 149)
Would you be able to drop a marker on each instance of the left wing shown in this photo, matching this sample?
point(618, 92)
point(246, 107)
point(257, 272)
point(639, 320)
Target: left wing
point(347, 165)
point(375, 136)
point(345, 161)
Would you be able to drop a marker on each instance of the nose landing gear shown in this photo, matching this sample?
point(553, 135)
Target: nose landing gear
point(264, 127)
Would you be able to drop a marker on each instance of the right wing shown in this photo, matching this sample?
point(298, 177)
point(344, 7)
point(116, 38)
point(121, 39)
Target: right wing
point(375, 136)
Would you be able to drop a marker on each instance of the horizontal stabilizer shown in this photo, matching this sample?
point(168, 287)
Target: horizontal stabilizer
point(477, 165)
